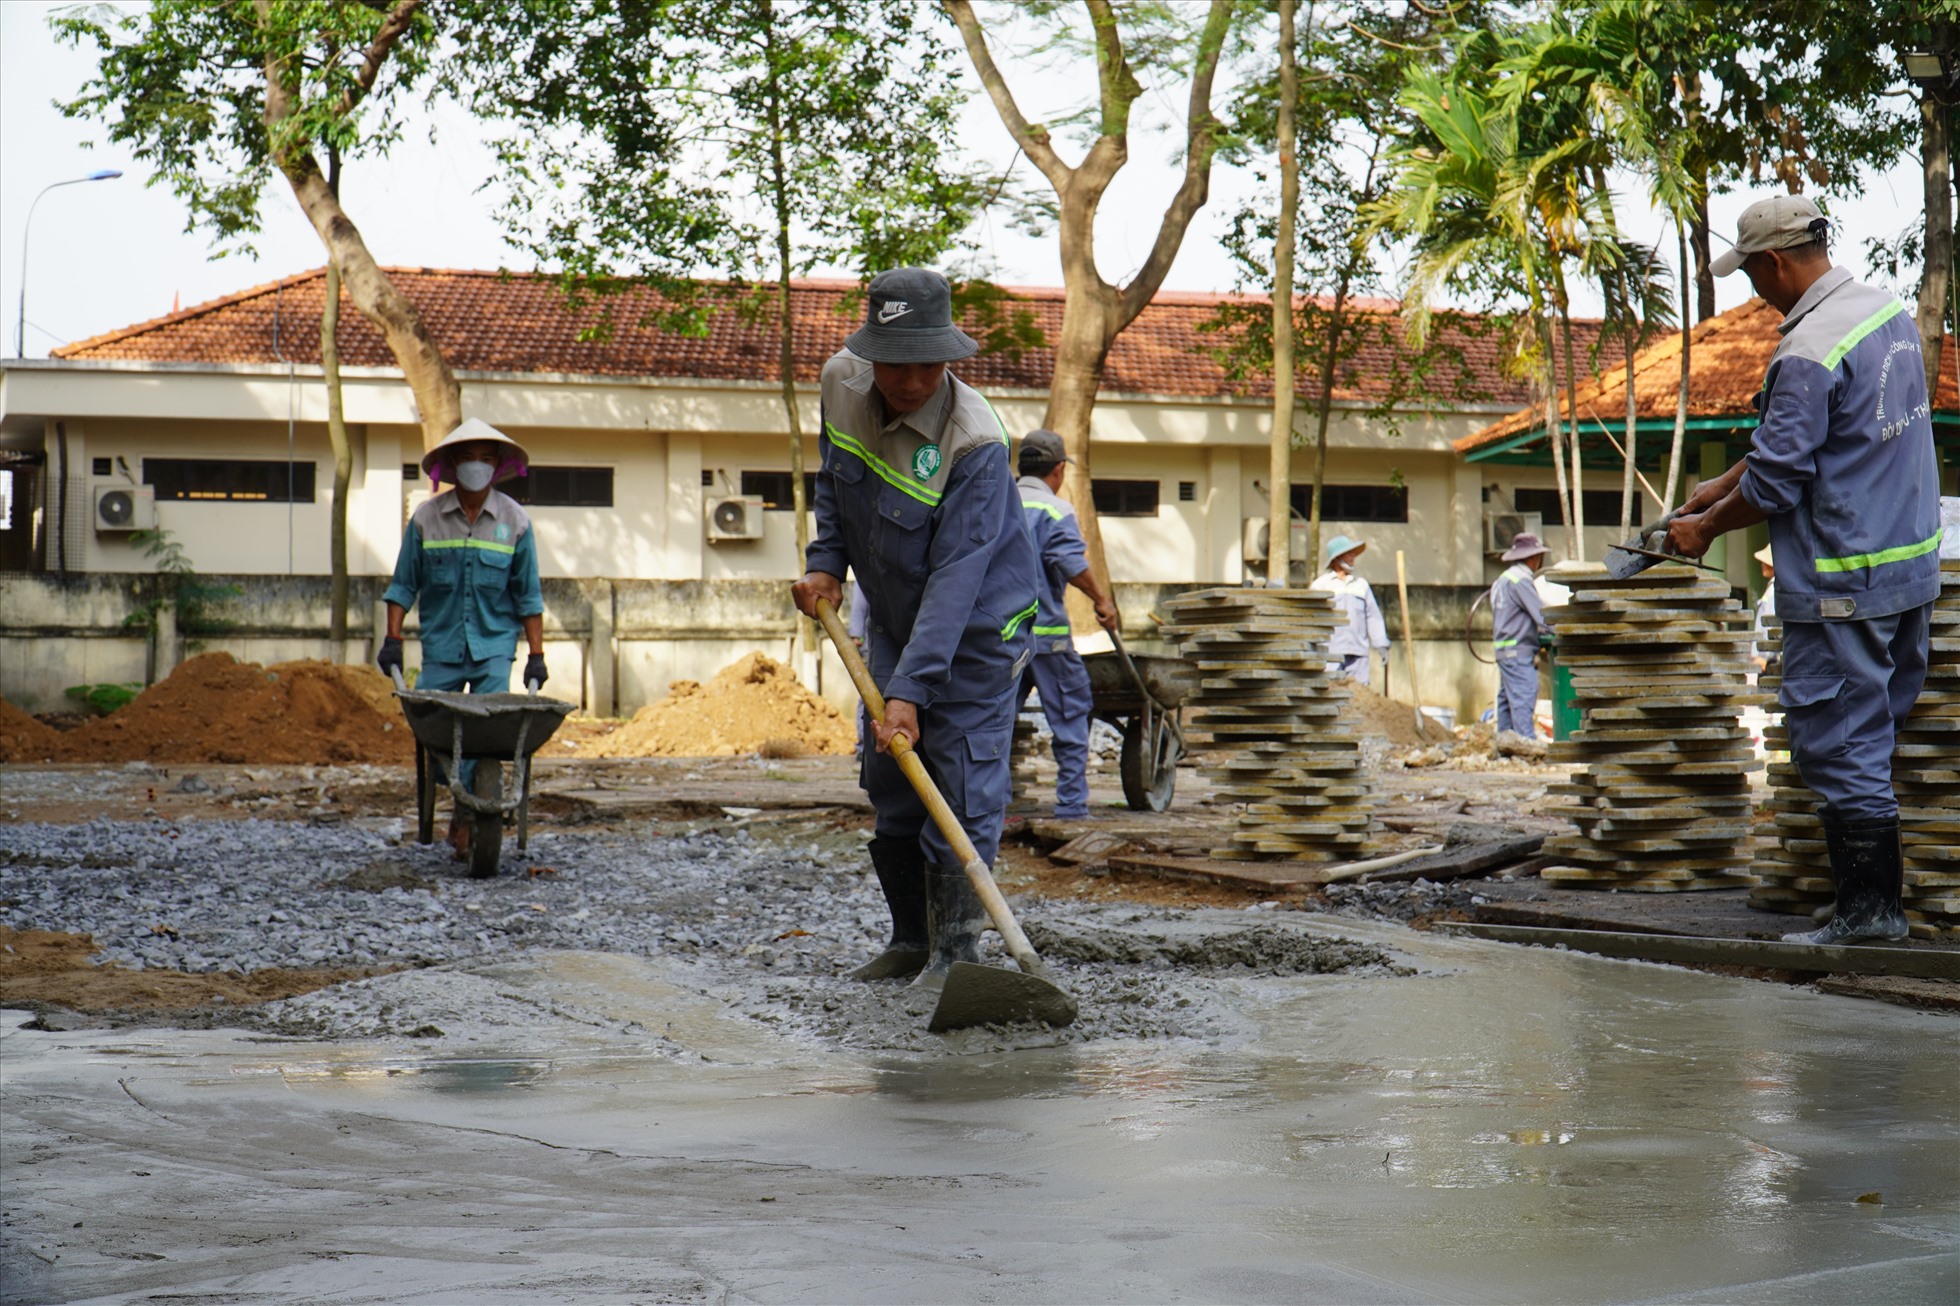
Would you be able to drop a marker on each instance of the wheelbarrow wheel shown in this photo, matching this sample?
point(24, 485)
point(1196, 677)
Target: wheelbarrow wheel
point(487, 834)
point(1149, 764)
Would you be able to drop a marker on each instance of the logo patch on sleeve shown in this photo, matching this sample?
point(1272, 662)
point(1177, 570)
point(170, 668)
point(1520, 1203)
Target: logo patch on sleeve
point(926, 461)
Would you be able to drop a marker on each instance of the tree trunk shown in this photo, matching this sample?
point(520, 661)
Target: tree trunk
point(1279, 550)
point(1080, 353)
point(1324, 403)
point(1704, 273)
point(438, 399)
point(1578, 518)
point(1628, 497)
point(1935, 284)
point(1554, 435)
point(786, 355)
point(343, 460)
point(1681, 396)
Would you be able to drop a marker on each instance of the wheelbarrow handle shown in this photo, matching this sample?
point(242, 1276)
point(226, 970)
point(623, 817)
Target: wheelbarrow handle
point(401, 685)
point(1136, 677)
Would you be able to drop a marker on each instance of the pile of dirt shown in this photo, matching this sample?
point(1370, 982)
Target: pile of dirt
point(214, 708)
point(39, 969)
point(22, 738)
point(1377, 716)
point(754, 706)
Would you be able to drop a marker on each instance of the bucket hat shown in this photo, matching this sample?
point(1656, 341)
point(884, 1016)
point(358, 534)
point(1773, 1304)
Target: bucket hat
point(1524, 545)
point(437, 463)
point(1342, 544)
point(908, 318)
point(1778, 222)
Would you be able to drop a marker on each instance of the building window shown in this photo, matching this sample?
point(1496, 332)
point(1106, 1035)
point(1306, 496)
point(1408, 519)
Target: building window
point(230, 480)
point(1124, 498)
point(1187, 491)
point(562, 487)
point(1369, 503)
point(101, 467)
point(1602, 506)
point(776, 487)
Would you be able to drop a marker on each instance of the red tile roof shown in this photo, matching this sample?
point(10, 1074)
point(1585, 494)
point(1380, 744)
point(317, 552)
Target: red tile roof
point(1729, 354)
point(504, 322)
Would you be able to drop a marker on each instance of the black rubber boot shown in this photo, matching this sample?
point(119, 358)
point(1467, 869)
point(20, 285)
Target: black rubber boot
point(955, 919)
point(901, 867)
point(1868, 865)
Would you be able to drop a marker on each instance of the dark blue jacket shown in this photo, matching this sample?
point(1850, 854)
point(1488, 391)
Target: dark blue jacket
point(1843, 459)
point(924, 508)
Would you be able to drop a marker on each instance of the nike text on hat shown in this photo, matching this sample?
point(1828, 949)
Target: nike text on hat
point(1778, 222)
point(1041, 450)
point(909, 319)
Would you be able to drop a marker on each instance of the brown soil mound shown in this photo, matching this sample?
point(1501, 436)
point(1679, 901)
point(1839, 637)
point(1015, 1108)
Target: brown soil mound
point(214, 708)
point(755, 705)
point(22, 738)
point(1375, 714)
point(38, 967)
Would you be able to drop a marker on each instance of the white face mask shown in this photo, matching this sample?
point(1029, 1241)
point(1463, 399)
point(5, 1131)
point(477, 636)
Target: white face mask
point(475, 476)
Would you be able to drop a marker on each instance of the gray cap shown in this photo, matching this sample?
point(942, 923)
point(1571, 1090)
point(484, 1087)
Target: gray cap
point(1778, 222)
point(1524, 545)
point(1042, 450)
point(908, 318)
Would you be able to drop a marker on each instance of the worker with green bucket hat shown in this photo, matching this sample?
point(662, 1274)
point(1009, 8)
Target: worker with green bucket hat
point(1348, 645)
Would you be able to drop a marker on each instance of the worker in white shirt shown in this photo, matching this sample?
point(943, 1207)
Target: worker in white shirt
point(1348, 645)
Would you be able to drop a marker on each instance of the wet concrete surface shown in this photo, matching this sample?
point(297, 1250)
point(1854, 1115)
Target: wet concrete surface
point(1475, 1124)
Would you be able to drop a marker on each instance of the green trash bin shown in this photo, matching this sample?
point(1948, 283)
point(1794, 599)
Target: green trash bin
point(1566, 717)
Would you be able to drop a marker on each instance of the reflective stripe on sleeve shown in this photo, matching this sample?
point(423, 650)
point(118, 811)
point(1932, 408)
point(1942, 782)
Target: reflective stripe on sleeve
point(1035, 505)
point(1014, 622)
point(1859, 561)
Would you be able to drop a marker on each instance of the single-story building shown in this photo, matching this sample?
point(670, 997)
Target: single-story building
point(661, 477)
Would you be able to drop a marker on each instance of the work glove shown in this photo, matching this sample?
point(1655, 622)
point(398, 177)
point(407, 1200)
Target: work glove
point(534, 672)
point(389, 659)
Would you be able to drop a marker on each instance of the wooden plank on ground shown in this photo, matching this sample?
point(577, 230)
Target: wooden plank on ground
point(1878, 959)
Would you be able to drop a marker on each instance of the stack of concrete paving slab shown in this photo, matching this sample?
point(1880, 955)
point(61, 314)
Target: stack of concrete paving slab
point(1274, 718)
point(1660, 671)
point(1795, 867)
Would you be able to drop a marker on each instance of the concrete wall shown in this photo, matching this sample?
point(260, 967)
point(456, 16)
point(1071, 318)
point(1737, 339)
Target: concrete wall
point(611, 645)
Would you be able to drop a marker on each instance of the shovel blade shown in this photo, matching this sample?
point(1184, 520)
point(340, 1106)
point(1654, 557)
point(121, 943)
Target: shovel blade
point(991, 995)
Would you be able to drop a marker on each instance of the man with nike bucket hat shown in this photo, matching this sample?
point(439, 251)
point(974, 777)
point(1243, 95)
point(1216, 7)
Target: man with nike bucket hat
point(916, 497)
point(468, 556)
point(1842, 467)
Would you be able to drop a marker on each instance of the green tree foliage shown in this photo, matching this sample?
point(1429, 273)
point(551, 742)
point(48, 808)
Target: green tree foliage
point(653, 141)
point(1348, 119)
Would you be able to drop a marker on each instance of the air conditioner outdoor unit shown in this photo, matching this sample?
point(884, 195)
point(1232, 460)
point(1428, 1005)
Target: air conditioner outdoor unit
point(125, 508)
point(738, 517)
point(1500, 528)
point(1256, 540)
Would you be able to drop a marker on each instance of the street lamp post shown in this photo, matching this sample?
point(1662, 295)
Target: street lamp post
point(20, 325)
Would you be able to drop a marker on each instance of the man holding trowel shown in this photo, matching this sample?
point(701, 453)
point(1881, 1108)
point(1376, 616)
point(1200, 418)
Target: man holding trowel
point(1056, 670)
point(916, 497)
point(1843, 469)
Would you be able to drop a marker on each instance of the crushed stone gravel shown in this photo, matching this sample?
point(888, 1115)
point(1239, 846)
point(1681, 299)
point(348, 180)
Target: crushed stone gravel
point(766, 919)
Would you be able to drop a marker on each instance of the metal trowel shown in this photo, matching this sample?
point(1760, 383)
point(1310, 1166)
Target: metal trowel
point(1645, 550)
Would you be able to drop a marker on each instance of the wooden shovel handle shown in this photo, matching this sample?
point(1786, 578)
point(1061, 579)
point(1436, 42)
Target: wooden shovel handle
point(909, 762)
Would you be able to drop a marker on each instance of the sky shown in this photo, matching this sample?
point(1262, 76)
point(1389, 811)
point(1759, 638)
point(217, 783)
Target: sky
point(109, 254)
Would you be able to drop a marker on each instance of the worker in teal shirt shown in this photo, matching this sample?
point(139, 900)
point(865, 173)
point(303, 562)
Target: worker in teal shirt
point(469, 558)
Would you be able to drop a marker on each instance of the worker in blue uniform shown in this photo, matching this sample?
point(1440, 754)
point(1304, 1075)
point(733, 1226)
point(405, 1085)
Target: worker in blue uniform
point(1349, 645)
point(1842, 467)
point(1517, 629)
point(916, 497)
point(1056, 669)
point(469, 558)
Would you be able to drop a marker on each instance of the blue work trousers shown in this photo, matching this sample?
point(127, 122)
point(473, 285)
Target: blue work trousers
point(965, 746)
point(1846, 687)
point(482, 676)
point(1063, 683)
point(1517, 691)
point(1357, 667)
